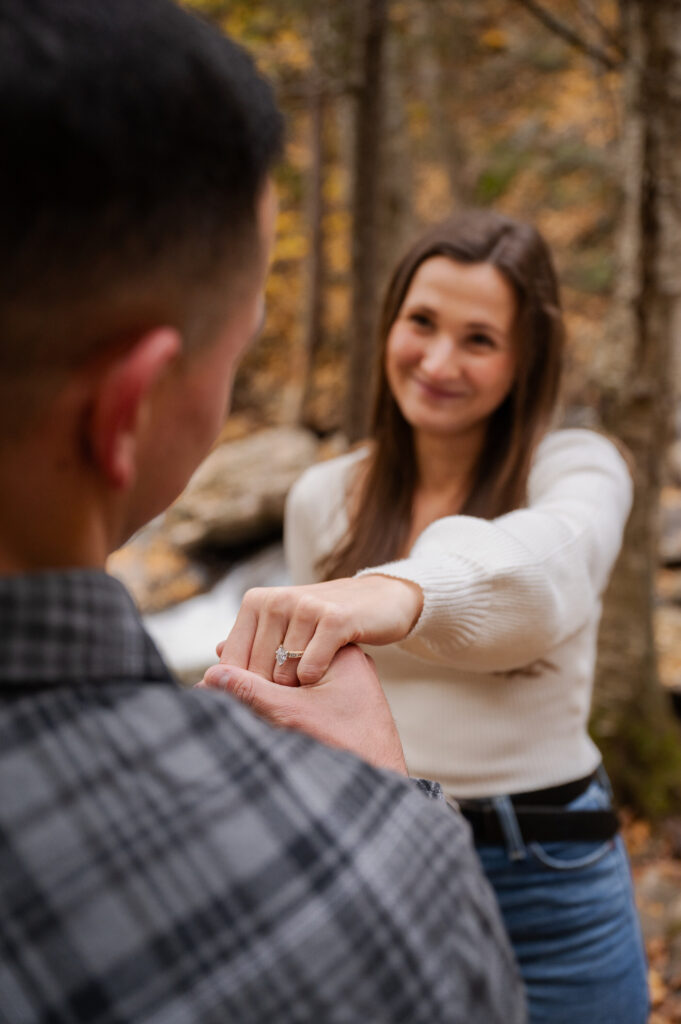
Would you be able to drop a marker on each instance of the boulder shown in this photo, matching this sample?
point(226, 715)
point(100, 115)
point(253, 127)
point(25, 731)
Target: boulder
point(237, 495)
point(667, 622)
point(674, 462)
point(670, 526)
point(668, 586)
point(156, 573)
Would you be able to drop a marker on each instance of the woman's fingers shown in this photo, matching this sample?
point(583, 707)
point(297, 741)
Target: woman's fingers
point(269, 636)
point(300, 619)
point(302, 636)
point(333, 631)
point(318, 620)
point(297, 639)
point(236, 648)
point(318, 628)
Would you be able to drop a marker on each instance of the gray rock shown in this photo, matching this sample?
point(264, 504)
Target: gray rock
point(670, 526)
point(667, 622)
point(668, 586)
point(674, 462)
point(238, 492)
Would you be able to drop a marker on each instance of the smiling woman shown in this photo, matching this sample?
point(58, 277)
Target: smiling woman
point(470, 545)
point(471, 346)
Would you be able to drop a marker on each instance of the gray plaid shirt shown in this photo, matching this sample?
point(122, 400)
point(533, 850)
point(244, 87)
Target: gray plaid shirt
point(168, 858)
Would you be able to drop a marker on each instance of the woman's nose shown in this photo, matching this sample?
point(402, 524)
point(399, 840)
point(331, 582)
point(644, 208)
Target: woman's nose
point(441, 358)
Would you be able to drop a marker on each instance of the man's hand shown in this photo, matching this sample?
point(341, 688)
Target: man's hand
point(346, 708)
point(318, 619)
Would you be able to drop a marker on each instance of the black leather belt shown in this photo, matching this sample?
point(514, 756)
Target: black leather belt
point(555, 795)
point(542, 817)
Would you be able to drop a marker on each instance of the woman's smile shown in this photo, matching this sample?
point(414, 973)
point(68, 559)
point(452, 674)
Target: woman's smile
point(437, 391)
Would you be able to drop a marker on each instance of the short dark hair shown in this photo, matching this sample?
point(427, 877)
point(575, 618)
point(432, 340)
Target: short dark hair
point(136, 141)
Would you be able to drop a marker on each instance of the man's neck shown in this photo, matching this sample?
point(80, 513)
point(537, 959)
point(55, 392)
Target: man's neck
point(49, 518)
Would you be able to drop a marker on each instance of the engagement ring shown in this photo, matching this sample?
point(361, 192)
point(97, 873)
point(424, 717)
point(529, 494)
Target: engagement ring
point(281, 654)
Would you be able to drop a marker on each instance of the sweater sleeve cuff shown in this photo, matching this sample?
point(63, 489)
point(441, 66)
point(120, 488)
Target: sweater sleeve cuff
point(455, 601)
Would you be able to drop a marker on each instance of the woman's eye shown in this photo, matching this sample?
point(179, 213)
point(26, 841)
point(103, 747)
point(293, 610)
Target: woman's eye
point(481, 340)
point(421, 320)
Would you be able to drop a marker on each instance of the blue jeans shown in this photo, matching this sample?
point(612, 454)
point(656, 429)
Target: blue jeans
point(570, 913)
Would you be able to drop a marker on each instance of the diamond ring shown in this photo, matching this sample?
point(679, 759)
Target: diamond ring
point(282, 655)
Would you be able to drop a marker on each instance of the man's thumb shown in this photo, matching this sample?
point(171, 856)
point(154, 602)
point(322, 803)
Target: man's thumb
point(265, 698)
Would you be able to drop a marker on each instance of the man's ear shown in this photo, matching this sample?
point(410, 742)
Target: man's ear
point(123, 389)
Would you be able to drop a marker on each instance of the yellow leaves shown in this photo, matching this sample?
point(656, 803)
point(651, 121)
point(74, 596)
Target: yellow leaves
point(433, 193)
point(337, 248)
point(288, 220)
point(291, 247)
point(278, 48)
point(580, 98)
point(494, 39)
point(636, 834)
point(656, 987)
point(292, 50)
point(283, 53)
point(583, 216)
point(336, 184)
point(237, 21)
point(291, 236)
point(419, 116)
point(667, 616)
point(298, 153)
point(337, 310)
point(400, 13)
point(575, 92)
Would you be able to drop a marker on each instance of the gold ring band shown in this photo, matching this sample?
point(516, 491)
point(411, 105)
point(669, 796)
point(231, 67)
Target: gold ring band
point(282, 655)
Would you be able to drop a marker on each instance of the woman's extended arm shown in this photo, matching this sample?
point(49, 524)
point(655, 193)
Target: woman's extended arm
point(481, 595)
point(499, 595)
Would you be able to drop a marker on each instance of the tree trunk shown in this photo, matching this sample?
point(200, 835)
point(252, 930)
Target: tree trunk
point(395, 206)
point(317, 102)
point(631, 720)
point(441, 73)
point(371, 28)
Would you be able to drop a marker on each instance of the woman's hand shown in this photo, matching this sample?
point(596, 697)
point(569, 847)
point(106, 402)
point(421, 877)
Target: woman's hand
point(318, 619)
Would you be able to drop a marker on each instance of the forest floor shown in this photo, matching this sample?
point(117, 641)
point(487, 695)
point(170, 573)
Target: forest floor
point(656, 865)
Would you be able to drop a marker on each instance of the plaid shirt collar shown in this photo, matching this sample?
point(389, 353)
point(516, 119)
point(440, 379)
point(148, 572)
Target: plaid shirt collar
point(77, 626)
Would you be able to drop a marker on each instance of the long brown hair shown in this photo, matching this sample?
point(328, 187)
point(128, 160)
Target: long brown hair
point(380, 515)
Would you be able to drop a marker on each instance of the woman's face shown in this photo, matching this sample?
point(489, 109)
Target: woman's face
point(450, 357)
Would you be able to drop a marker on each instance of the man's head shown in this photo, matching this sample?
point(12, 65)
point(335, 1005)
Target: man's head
point(134, 222)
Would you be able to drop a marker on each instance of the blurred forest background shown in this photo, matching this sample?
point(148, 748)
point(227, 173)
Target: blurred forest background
point(563, 112)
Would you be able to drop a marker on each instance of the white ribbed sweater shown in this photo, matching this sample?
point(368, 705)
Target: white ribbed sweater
point(500, 595)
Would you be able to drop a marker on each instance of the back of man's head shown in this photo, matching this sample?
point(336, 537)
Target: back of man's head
point(136, 143)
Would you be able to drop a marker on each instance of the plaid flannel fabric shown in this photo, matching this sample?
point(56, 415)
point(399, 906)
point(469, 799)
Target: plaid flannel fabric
point(168, 858)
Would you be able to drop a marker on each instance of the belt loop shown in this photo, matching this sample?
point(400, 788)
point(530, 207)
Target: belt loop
point(515, 845)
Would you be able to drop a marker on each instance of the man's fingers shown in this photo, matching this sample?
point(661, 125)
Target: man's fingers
point(267, 699)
